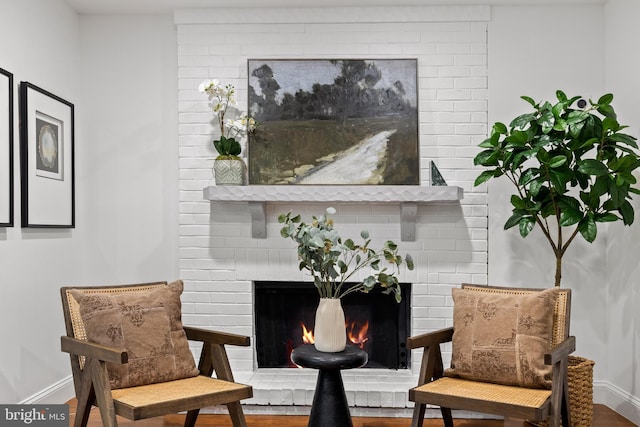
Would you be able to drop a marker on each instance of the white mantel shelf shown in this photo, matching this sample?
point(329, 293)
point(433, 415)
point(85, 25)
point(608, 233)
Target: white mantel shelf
point(407, 196)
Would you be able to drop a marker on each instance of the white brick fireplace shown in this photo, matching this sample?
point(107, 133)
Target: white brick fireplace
point(219, 258)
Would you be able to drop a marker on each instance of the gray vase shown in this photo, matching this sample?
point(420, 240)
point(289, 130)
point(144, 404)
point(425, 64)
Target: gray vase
point(229, 171)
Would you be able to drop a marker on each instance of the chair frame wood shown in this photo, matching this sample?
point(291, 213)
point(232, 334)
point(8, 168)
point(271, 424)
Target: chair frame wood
point(555, 408)
point(91, 382)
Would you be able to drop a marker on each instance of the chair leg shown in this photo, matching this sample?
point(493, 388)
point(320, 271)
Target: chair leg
point(236, 414)
point(447, 417)
point(102, 389)
point(85, 397)
point(192, 416)
point(418, 415)
point(565, 412)
point(83, 410)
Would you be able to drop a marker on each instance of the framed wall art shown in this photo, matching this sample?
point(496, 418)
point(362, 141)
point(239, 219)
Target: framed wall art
point(6, 148)
point(334, 121)
point(46, 159)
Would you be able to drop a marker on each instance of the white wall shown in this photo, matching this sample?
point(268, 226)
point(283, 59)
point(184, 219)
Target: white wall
point(622, 69)
point(120, 72)
point(39, 43)
point(527, 58)
point(129, 81)
point(534, 51)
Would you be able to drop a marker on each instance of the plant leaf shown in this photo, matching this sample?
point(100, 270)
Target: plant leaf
point(529, 100)
point(499, 128)
point(484, 177)
point(570, 216)
point(513, 220)
point(523, 120)
point(588, 229)
point(623, 138)
point(626, 210)
point(561, 95)
point(593, 167)
point(605, 99)
point(607, 111)
point(526, 225)
point(557, 161)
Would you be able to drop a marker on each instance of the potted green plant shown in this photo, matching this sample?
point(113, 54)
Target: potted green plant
point(334, 265)
point(572, 168)
point(229, 168)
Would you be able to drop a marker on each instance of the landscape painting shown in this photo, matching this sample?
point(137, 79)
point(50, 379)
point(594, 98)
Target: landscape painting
point(337, 121)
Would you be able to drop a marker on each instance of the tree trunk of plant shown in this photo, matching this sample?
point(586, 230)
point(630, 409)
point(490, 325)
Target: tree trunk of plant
point(558, 269)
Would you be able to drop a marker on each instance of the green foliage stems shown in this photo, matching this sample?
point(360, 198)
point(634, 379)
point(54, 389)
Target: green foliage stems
point(227, 148)
point(571, 164)
point(333, 263)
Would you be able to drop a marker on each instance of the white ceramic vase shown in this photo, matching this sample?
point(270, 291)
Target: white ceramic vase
point(229, 171)
point(329, 333)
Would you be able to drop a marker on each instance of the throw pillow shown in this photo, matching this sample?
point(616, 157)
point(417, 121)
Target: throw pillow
point(502, 338)
point(148, 325)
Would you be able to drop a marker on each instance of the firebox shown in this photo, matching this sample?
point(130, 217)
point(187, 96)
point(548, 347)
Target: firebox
point(285, 316)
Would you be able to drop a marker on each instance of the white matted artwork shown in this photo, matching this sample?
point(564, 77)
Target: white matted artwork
point(49, 151)
point(47, 158)
point(6, 148)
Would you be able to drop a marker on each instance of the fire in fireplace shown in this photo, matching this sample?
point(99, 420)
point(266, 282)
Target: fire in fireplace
point(285, 315)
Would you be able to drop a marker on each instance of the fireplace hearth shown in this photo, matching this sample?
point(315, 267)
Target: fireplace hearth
point(284, 320)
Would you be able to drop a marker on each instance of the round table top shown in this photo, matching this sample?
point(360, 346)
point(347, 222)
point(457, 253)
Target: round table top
point(308, 357)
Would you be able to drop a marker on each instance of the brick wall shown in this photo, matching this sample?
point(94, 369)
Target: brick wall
point(219, 259)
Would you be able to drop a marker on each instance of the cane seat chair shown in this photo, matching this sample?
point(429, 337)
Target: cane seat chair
point(436, 387)
point(90, 363)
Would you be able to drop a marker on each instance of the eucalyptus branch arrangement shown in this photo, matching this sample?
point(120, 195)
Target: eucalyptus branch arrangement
point(572, 168)
point(334, 263)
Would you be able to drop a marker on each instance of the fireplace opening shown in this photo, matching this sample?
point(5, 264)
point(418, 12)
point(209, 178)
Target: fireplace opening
point(285, 317)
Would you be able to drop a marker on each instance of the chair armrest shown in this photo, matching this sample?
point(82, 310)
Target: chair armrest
point(560, 351)
point(93, 350)
point(430, 338)
point(216, 337)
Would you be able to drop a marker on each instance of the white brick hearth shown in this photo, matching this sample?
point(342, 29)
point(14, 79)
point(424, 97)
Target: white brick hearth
point(219, 258)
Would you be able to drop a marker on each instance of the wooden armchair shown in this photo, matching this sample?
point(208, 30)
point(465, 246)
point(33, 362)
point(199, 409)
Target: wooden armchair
point(438, 387)
point(91, 364)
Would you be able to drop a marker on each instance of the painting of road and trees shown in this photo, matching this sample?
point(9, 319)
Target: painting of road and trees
point(334, 122)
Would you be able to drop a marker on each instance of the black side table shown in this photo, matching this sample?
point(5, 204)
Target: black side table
point(330, 407)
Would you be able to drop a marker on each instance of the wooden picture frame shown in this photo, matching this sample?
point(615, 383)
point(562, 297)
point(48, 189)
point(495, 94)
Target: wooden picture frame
point(6, 148)
point(334, 121)
point(47, 168)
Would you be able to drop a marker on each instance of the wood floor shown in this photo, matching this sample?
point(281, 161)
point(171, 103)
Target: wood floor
point(602, 417)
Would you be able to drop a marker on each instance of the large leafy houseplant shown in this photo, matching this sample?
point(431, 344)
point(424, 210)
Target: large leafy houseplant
point(334, 263)
point(571, 165)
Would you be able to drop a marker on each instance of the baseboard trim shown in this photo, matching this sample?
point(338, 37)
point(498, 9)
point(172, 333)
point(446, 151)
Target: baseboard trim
point(60, 392)
point(617, 399)
point(603, 392)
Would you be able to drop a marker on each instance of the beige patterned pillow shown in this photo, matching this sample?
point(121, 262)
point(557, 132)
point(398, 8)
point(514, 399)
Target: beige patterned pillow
point(148, 325)
point(502, 338)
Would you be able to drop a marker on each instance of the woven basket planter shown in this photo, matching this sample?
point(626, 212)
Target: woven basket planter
point(580, 379)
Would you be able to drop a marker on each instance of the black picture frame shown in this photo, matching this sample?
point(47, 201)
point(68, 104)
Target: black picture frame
point(47, 163)
point(6, 148)
point(334, 121)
